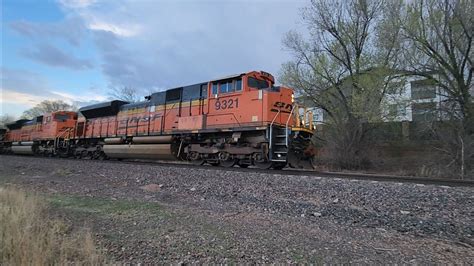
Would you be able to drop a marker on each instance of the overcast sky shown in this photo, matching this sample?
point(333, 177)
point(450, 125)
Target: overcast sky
point(77, 50)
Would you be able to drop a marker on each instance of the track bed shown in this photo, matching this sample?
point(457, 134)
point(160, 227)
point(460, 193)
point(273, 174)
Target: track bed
point(153, 213)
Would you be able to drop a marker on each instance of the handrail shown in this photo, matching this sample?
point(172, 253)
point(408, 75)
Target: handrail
point(286, 125)
point(61, 134)
point(271, 128)
point(274, 118)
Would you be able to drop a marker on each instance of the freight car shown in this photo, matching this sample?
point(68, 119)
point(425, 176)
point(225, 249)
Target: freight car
point(242, 119)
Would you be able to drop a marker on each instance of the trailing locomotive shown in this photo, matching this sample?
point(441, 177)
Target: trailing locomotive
point(240, 120)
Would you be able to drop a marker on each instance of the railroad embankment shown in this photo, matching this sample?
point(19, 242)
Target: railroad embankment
point(154, 213)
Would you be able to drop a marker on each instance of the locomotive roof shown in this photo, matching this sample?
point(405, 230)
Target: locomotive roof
point(229, 77)
point(183, 93)
point(17, 124)
point(102, 109)
point(30, 122)
point(133, 105)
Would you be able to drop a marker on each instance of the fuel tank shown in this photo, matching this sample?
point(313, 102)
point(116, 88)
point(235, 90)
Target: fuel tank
point(141, 151)
point(16, 149)
point(153, 140)
point(113, 141)
point(23, 143)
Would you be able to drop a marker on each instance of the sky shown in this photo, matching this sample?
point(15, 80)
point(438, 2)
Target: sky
point(77, 50)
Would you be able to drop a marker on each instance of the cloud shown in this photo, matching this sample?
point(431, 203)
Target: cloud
point(77, 3)
point(164, 44)
point(95, 18)
point(27, 100)
point(23, 81)
point(14, 102)
point(50, 55)
point(83, 98)
point(22, 89)
point(122, 66)
point(167, 44)
point(71, 29)
point(124, 31)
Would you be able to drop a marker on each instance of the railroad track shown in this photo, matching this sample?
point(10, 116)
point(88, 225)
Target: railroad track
point(295, 172)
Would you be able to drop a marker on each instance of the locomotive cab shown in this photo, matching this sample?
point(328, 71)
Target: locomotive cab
point(248, 99)
point(57, 124)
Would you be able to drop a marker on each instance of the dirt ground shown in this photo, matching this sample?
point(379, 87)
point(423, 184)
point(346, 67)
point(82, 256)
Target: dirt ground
point(163, 214)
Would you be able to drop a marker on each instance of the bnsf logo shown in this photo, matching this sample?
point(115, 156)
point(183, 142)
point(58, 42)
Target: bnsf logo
point(283, 105)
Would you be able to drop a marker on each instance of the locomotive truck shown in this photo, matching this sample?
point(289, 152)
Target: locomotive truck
point(241, 119)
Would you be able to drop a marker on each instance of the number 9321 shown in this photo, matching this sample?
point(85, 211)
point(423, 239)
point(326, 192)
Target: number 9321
point(226, 104)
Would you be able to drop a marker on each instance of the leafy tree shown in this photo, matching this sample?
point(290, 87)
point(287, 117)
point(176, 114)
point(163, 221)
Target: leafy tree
point(345, 68)
point(438, 35)
point(47, 107)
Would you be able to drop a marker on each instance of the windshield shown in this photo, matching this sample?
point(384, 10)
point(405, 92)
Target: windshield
point(61, 117)
point(256, 83)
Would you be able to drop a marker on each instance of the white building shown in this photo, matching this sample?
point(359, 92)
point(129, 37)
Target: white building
point(414, 99)
point(417, 100)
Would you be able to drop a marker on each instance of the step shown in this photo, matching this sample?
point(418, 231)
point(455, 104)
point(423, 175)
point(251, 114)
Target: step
point(281, 136)
point(280, 143)
point(281, 152)
point(278, 160)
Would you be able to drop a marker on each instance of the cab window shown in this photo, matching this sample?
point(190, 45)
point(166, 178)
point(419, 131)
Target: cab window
point(238, 84)
point(204, 91)
point(226, 87)
point(256, 83)
point(214, 88)
point(61, 117)
point(231, 86)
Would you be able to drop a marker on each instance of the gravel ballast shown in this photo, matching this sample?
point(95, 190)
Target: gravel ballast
point(228, 216)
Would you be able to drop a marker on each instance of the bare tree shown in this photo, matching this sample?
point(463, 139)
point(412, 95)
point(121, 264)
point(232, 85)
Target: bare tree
point(345, 68)
point(47, 107)
point(438, 35)
point(125, 93)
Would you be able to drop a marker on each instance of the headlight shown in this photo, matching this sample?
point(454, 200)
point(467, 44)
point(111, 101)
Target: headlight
point(292, 98)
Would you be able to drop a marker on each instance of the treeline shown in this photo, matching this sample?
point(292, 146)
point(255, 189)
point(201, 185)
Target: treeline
point(354, 53)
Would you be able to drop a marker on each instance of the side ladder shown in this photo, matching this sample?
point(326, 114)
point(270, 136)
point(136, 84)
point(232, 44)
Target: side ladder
point(65, 136)
point(279, 140)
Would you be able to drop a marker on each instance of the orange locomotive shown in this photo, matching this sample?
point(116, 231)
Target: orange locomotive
point(37, 136)
point(240, 119)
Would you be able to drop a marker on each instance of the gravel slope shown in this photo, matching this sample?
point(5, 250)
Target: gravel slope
point(222, 216)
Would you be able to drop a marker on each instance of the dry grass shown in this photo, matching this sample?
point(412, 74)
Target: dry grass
point(30, 237)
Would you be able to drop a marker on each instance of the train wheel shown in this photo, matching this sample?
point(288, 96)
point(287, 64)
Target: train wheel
point(96, 155)
point(226, 159)
point(228, 163)
point(195, 158)
point(102, 156)
point(84, 155)
point(198, 162)
point(263, 164)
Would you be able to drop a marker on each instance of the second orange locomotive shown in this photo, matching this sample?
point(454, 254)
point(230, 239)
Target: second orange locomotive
point(241, 119)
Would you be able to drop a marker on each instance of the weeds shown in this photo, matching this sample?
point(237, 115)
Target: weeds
point(29, 237)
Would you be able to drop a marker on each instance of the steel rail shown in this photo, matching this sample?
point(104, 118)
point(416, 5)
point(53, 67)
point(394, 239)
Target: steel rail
point(288, 172)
